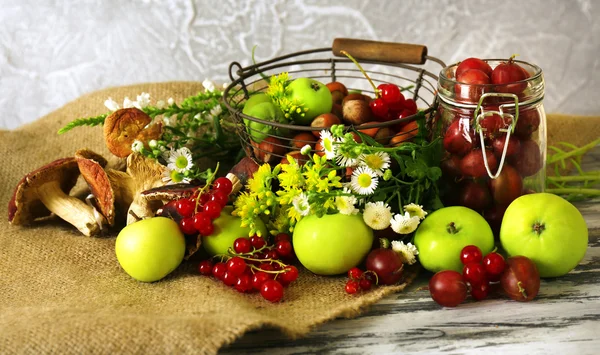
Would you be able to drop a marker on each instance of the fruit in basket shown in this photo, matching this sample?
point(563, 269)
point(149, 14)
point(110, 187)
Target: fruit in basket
point(507, 187)
point(324, 121)
point(269, 149)
point(472, 164)
point(227, 229)
point(528, 161)
point(332, 244)
point(443, 234)
point(356, 112)
point(473, 63)
point(547, 229)
point(296, 155)
point(507, 77)
point(254, 100)
point(314, 96)
point(150, 249)
point(266, 111)
point(520, 279)
point(338, 91)
point(408, 132)
point(302, 139)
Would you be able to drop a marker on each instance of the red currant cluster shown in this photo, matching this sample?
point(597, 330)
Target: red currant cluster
point(479, 271)
point(391, 104)
point(195, 214)
point(252, 266)
point(359, 280)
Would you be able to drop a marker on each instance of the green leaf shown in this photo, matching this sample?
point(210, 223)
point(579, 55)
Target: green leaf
point(88, 121)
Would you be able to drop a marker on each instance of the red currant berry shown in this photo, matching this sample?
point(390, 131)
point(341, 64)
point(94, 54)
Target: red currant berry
point(244, 283)
point(276, 267)
point(379, 108)
point(266, 267)
point(494, 266)
point(259, 256)
point(391, 94)
point(411, 106)
point(282, 236)
point(352, 287)
point(205, 267)
point(212, 209)
point(290, 275)
point(207, 230)
point(272, 291)
point(201, 220)
point(355, 273)
point(187, 226)
point(204, 198)
point(218, 270)
point(257, 242)
point(229, 278)
point(470, 254)
point(481, 291)
point(236, 265)
point(284, 248)
point(219, 197)
point(259, 278)
point(185, 207)
point(272, 254)
point(365, 284)
point(474, 273)
point(223, 184)
point(242, 246)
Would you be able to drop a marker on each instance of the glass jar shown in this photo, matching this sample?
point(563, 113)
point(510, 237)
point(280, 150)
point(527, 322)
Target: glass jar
point(494, 139)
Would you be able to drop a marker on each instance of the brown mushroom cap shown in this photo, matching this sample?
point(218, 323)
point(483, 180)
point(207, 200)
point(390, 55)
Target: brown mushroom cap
point(99, 184)
point(89, 154)
point(171, 192)
point(124, 126)
point(24, 206)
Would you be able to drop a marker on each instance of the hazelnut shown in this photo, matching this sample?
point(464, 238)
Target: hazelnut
point(356, 112)
point(324, 121)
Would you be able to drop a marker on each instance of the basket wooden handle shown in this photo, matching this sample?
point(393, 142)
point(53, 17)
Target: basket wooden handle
point(389, 52)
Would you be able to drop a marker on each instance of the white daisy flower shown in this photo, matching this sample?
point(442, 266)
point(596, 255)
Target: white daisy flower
point(180, 160)
point(152, 143)
point(404, 224)
point(301, 204)
point(378, 161)
point(170, 101)
point(363, 181)
point(215, 111)
point(208, 85)
point(137, 146)
point(415, 210)
point(345, 204)
point(377, 215)
point(111, 105)
point(327, 142)
point(160, 104)
point(142, 100)
point(306, 149)
point(127, 103)
point(174, 177)
point(408, 252)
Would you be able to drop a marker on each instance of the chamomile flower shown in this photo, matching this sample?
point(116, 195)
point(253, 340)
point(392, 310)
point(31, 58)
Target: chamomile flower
point(137, 146)
point(378, 161)
point(215, 112)
point(127, 103)
point(306, 149)
point(327, 142)
point(363, 181)
point(174, 177)
point(152, 143)
point(180, 160)
point(377, 215)
point(142, 100)
point(345, 204)
point(301, 204)
point(208, 85)
point(160, 104)
point(415, 210)
point(404, 224)
point(408, 252)
point(111, 104)
point(170, 101)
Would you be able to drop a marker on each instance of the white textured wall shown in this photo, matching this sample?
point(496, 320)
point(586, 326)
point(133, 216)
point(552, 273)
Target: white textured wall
point(53, 51)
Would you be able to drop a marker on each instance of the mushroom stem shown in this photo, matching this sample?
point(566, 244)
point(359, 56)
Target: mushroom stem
point(69, 208)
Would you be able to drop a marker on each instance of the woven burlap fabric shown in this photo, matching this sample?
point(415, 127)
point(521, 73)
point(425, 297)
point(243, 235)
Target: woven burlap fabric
point(61, 292)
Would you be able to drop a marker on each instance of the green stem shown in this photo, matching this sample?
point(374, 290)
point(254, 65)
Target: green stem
point(557, 157)
point(566, 191)
point(375, 90)
point(585, 177)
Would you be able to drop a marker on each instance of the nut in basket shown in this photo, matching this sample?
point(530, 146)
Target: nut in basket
point(377, 90)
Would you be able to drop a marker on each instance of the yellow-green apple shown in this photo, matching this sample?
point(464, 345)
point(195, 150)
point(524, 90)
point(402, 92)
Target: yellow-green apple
point(227, 229)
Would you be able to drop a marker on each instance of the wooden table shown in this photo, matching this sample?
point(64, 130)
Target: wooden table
point(563, 319)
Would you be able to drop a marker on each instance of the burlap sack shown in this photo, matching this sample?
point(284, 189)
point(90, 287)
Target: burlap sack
point(62, 293)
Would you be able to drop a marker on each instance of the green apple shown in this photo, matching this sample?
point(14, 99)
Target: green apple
point(266, 111)
point(443, 234)
point(314, 95)
point(254, 100)
point(332, 244)
point(547, 229)
point(227, 229)
point(150, 249)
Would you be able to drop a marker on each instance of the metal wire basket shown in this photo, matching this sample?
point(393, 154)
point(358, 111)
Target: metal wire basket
point(404, 65)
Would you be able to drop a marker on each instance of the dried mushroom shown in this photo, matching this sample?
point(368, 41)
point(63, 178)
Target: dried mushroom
point(126, 125)
point(45, 191)
point(91, 168)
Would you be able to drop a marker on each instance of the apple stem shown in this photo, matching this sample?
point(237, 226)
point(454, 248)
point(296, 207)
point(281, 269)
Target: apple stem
point(377, 93)
point(451, 228)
